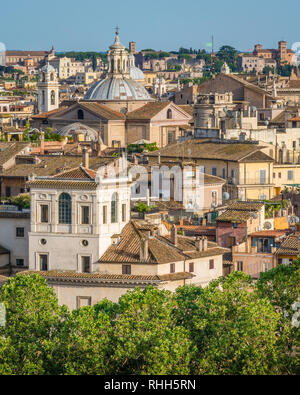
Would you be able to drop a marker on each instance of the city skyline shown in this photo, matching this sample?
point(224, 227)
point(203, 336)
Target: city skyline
point(161, 27)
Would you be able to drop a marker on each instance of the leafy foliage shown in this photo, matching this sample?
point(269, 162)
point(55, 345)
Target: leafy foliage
point(22, 201)
point(231, 327)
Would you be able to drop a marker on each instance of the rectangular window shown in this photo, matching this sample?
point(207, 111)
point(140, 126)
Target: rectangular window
point(240, 266)
point(191, 267)
point(20, 262)
point(83, 301)
point(43, 263)
point(20, 232)
point(172, 268)
point(124, 212)
point(279, 175)
point(262, 177)
point(211, 264)
point(224, 173)
point(7, 192)
point(290, 175)
point(44, 213)
point(85, 215)
point(85, 264)
point(214, 198)
point(104, 214)
point(232, 173)
point(126, 269)
point(214, 171)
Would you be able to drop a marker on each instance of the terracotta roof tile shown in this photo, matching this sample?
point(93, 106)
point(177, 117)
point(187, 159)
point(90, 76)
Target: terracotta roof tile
point(205, 149)
point(161, 249)
point(234, 216)
point(47, 114)
point(59, 184)
point(94, 278)
point(148, 111)
point(77, 173)
point(10, 150)
point(102, 110)
point(291, 246)
point(246, 206)
point(51, 165)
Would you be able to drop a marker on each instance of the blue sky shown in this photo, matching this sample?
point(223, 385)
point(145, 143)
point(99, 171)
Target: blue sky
point(159, 24)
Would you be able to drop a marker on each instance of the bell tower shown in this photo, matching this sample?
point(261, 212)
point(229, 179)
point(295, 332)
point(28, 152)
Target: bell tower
point(48, 89)
point(118, 59)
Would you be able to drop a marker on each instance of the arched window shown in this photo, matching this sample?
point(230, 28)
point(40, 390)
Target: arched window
point(114, 207)
point(80, 114)
point(43, 97)
point(51, 77)
point(65, 208)
point(169, 114)
point(52, 98)
point(119, 65)
point(43, 77)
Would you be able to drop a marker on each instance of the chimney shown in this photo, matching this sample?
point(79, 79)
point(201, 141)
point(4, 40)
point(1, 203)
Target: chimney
point(204, 243)
point(144, 250)
point(198, 244)
point(85, 158)
point(42, 138)
point(174, 235)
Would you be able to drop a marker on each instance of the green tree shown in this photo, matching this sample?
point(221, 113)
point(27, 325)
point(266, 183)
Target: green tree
point(281, 287)
point(84, 344)
point(146, 339)
point(33, 319)
point(233, 329)
point(229, 55)
point(143, 208)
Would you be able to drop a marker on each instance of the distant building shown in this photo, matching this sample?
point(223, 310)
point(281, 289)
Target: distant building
point(281, 55)
point(249, 64)
point(20, 57)
point(132, 47)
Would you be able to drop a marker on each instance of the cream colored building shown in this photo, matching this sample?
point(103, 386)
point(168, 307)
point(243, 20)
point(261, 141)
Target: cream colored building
point(120, 108)
point(83, 242)
point(247, 170)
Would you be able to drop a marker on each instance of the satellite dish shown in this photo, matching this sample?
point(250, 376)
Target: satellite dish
point(226, 196)
point(267, 225)
point(295, 219)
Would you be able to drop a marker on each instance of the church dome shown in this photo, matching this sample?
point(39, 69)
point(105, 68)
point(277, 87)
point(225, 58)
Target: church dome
point(48, 68)
point(119, 83)
point(136, 74)
point(117, 89)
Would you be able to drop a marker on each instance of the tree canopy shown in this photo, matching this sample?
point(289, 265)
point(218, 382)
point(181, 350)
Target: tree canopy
point(233, 326)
